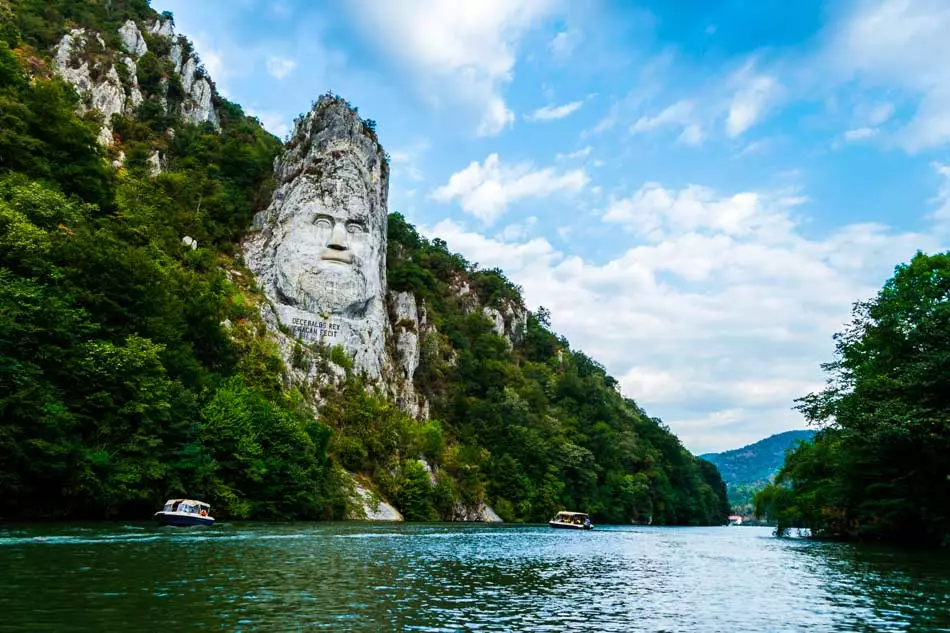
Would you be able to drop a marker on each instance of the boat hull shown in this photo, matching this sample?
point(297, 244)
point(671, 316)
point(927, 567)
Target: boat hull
point(181, 519)
point(569, 526)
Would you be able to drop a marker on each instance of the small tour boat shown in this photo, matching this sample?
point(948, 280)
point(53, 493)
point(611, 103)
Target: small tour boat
point(571, 521)
point(184, 512)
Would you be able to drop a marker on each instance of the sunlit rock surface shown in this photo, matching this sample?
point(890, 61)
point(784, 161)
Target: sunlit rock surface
point(319, 249)
point(367, 506)
point(82, 59)
point(132, 40)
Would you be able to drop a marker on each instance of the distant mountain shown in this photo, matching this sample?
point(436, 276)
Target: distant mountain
point(745, 470)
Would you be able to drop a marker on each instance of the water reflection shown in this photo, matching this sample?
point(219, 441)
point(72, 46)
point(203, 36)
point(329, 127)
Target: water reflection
point(362, 577)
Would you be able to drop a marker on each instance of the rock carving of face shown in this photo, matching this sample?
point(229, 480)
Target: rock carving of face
point(328, 259)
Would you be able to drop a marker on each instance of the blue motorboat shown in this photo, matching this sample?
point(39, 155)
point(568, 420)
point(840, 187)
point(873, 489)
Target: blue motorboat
point(185, 513)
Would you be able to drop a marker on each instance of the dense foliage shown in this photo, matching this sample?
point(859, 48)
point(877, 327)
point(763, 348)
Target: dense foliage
point(878, 468)
point(134, 368)
point(747, 470)
point(118, 384)
point(537, 427)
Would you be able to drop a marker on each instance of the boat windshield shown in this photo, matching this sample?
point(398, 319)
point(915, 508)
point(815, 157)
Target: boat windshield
point(188, 506)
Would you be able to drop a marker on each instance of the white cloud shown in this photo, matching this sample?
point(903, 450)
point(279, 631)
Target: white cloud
point(405, 160)
point(680, 113)
point(720, 310)
point(879, 113)
point(553, 113)
point(756, 93)
point(273, 122)
point(280, 67)
point(564, 43)
point(860, 133)
point(904, 45)
point(692, 134)
point(465, 49)
point(942, 214)
point(518, 231)
point(755, 147)
point(485, 190)
point(584, 152)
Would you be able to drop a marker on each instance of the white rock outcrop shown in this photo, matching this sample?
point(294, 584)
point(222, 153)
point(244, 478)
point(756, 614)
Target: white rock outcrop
point(409, 324)
point(367, 506)
point(319, 249)
point(132, 41)
point(105, 93)
point(135, 93)
point(479, 514)
point(82, 59)
point(163, 27)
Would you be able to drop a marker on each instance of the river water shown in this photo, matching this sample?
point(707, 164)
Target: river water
point(451, 577)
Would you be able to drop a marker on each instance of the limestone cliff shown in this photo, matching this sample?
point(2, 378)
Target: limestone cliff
point(318, 252)
point(108, 80)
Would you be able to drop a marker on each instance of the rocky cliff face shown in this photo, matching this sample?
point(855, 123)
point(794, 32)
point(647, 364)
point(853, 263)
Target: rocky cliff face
point(318, 251)
point(108, 80)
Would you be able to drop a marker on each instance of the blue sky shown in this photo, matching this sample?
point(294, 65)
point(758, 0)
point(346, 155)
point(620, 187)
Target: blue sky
point(697, 190)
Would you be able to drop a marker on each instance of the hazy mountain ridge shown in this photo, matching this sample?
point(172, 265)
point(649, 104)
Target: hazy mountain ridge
point(744, 470)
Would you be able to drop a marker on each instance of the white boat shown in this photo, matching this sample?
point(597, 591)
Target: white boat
point(571, 521)
point(185, 512)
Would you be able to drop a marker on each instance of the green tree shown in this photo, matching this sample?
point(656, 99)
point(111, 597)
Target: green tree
point(877, 470)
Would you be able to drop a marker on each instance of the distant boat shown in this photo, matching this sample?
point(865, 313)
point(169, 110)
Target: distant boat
point(571, 521)
point(735, 519)
point(184, 512)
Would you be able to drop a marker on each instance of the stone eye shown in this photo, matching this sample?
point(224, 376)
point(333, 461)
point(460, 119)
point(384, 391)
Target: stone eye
point(323, 223)
point(354, 228)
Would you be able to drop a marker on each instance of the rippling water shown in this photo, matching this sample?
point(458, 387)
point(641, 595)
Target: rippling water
point(438, 577)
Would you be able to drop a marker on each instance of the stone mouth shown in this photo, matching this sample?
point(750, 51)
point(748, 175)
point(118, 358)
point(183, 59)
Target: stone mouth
point(339, 257)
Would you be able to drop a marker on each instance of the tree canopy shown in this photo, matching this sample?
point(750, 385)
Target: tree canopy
point(877, 469)
point(134, 367)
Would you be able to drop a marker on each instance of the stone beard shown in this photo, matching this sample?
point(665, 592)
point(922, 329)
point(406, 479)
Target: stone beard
point(328, 262)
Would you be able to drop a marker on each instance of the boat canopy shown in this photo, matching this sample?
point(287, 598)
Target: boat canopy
point(185, 505)
point(571, 515)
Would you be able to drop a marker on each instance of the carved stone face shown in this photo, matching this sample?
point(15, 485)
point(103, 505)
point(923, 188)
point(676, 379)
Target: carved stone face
point(328, 254)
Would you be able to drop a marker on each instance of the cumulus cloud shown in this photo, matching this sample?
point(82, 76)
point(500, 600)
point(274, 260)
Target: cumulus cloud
point(485, 190)
point(720, 310)
point(280, 67)
point(466, 49)
point(553, 113)
point(902, 44)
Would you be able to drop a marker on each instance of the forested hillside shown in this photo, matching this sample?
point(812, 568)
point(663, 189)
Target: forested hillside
point(878, 469)
point(135, 365)
point(746, 470)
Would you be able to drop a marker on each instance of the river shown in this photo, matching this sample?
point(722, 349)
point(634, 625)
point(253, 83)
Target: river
point(452, 577)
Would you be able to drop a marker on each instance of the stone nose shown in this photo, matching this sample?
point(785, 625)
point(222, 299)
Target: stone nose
point(338, 237)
